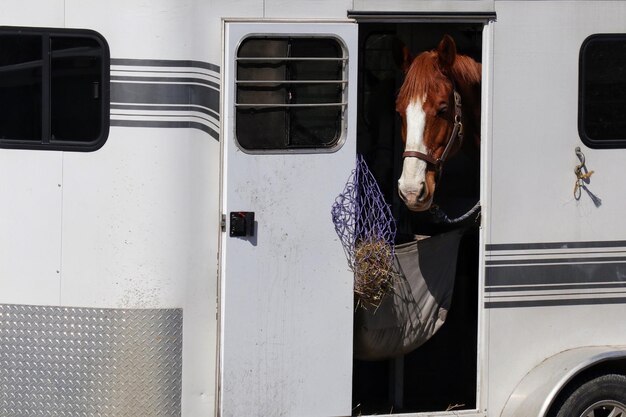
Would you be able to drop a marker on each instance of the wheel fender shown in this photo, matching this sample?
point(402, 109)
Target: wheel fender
point(537, 390)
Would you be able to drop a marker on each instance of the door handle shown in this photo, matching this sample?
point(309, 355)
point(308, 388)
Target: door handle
point(241, 224)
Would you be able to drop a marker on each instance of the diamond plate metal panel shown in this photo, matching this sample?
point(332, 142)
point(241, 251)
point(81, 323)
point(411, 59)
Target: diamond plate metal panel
point(62, 361)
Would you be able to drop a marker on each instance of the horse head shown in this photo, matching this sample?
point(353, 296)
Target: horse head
point(430, 104)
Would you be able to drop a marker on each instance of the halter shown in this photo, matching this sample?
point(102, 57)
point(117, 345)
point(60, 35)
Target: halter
point(457, 133)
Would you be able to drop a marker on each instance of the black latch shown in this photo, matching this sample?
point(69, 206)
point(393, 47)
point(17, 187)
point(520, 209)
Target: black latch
point(241, 223)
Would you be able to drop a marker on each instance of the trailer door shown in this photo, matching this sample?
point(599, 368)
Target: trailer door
point(288, 149)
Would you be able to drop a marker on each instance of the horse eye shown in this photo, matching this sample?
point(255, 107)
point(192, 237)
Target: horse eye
point(443, 109)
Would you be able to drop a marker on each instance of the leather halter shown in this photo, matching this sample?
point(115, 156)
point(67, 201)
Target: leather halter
point(457, 133)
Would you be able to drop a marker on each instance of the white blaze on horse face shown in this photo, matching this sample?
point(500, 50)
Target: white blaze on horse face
point(412, 182)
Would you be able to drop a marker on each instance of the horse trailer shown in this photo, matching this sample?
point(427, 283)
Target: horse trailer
point(178, 171)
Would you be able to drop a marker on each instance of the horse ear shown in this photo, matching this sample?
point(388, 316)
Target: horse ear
point(401, 55)
point(446, 52)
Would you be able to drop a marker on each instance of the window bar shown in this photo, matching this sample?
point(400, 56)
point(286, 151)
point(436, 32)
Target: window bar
point(291, 81)
point(262, 59)
point(45, 87)
point(288, 105)
point(289, 95)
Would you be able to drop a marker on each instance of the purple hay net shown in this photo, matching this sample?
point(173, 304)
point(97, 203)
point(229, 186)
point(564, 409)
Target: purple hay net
point(366, 227)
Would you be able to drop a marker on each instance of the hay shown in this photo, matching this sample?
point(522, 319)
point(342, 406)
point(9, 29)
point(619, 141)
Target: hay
point(373, 271)
point(366, 228)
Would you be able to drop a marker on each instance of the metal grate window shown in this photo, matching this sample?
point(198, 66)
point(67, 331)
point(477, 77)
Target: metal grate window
point(290, 93)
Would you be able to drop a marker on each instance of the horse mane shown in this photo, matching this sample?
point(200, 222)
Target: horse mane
point(425, 72)
point(466, 70)
point(421, 77)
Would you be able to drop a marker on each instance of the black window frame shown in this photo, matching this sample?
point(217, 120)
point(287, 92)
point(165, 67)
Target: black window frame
point(595, 143)
point(46, 141)
point(341, 120)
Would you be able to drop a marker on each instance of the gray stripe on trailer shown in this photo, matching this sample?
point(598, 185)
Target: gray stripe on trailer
point(575, 273)
point(180, 94)
point(611, 259)
point(556, 245)
point(528, 288)
point(154, 96)
point(165, 63)
point(179, 80)
point(187, 94)
point(165, 107)
point(555, 302)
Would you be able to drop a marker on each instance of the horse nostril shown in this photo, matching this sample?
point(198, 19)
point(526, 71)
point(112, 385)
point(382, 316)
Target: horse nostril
point(416, 194)
point(421, 195)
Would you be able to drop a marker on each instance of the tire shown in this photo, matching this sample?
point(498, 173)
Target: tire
point(604, 396)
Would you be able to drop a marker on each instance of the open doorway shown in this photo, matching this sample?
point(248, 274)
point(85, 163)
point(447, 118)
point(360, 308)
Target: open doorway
point(440, 374)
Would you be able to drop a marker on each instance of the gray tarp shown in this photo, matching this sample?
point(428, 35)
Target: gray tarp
point(418, 305)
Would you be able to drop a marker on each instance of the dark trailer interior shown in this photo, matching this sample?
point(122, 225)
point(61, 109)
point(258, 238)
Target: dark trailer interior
point(441, 374)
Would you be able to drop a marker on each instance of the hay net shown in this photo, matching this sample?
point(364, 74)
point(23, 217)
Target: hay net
point(366, 227)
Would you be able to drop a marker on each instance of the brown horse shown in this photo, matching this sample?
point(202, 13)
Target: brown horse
point(439, 104)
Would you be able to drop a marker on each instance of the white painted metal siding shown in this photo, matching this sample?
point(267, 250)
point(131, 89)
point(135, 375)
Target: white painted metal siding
point(135, 224)
point(535, 119)
point(30, 221)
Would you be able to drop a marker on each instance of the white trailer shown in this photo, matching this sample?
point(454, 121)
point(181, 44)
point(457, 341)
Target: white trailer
point(166, 244)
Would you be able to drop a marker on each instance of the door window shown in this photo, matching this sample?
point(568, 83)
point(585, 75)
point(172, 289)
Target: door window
point(290, 92)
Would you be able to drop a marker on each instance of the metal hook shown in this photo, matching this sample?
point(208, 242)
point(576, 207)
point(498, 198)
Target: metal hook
point(581, 172)
point(580, 155)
